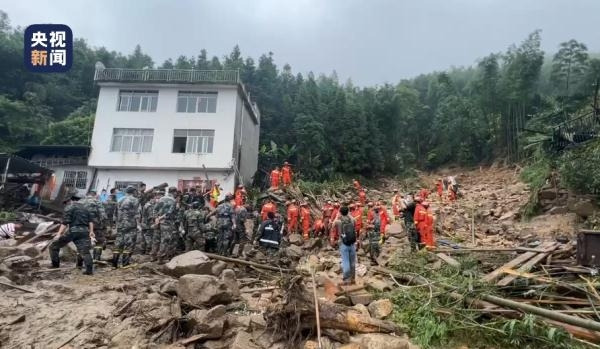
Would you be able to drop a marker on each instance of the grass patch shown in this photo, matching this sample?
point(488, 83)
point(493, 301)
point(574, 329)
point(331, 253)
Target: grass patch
point(535, 175)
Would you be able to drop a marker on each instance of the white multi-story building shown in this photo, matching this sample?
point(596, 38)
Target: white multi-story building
point(175, 126)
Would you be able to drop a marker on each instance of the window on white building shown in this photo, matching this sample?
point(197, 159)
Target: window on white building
point(196, 102)
point(132, 140)
point(76, 179)
point(137, 100)
point(193, 141)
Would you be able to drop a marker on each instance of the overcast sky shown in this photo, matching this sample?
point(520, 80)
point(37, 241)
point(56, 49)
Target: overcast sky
point(370, 41)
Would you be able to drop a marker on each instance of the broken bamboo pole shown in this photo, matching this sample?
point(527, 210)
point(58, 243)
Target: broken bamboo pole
point(16, 287)
point(244, 262)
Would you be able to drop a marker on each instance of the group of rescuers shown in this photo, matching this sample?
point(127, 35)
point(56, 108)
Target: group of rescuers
point(163, 224)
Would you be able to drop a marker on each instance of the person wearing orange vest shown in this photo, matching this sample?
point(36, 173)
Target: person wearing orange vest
point(305, 220)
point(275, 175)
point(428, 227)
point(423, 193)
point(362, 196)
point(214, 195)
point(396, 204)
point(335, 213)
point(269, 206)
point(439, 187)
point(240, 196)
point(292, 217)
point(452, 187)
point(286, 174)
point(420, 218)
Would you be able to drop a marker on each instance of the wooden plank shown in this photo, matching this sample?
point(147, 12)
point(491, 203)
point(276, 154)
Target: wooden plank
point(451, 261)
point(511, 264)
point(16, 287)
point(527, 266)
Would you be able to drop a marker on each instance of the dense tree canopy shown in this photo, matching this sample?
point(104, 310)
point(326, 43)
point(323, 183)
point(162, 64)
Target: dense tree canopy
point(463, 115)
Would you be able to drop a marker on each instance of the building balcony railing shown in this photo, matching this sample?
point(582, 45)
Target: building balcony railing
point(167, 75)
point(49, 163)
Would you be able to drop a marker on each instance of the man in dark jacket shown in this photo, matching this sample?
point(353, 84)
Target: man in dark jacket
point(269, 235)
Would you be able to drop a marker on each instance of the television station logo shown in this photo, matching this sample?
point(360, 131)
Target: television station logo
point(48, 48)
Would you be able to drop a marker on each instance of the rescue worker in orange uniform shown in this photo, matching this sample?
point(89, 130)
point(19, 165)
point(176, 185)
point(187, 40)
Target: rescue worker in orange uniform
point(356, 185)
point(305, 220)
point(428, 227)
point(286, 174)
point(327, 215)
point(423, 193)
point(335, 213)
point(336, 210)
point(292, 217)
point(420, 218)
point(362, 197)
point(396, 204)
point(384, 218)
point(275, 176)
point(370, 212)
point(439, 187)
point(319, 228)
point(240, 196)
point(215, 192)
point(358, 219)
point(269, 206)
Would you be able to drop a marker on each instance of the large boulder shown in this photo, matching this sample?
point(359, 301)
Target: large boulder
point(209, 322)
point(380, 341)
point(583, 208)
point(296, 239)
point(203, 290)
point(380, 308)
point(294, 252)
point(192, 262)
point(244, 340)
point(228, 278)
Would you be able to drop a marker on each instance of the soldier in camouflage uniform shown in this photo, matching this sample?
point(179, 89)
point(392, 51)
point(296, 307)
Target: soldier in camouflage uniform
point(110, 207)
point(147, 233)
point(210, 232)
point(81, 231)
point(194, 227)
point(166, 216)
point(155, 247)
point(374, 236)
point(99, 218)
point(128, 219)
point(225, 224)
point(239, 233)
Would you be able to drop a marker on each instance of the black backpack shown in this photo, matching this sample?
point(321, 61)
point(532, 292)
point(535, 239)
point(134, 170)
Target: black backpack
point(348, 233)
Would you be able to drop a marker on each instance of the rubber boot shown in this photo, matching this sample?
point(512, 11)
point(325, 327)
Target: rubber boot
point(126, 257)
point(115, 260)
point(79, 262)
point(98, 253)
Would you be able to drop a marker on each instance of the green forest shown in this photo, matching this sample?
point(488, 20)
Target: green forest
point(497, 109)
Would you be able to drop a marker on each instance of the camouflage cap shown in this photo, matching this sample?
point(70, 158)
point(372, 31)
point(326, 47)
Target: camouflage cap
point(172, 189)
point(130, 189)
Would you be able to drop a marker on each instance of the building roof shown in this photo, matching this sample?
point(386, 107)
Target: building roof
point(178, 76)
point(18, 165)
point(28, 151)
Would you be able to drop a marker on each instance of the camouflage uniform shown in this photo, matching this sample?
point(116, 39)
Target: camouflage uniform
point(225, 219)
point(210, 236)
point(194, 229)
point(374, 235)
point(128, 216)
point(147, 233)
point(166, 209)
point(99, 217)
point(78, 218)
point(239, 233)
point(110, 207)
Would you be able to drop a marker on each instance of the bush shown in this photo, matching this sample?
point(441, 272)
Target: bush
point(580, 168)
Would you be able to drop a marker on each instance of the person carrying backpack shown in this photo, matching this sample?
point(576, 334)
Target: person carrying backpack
point(345, 226)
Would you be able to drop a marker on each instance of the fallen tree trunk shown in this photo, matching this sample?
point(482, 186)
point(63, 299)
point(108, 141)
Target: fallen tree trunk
point(244, 262)
point(297, 314)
